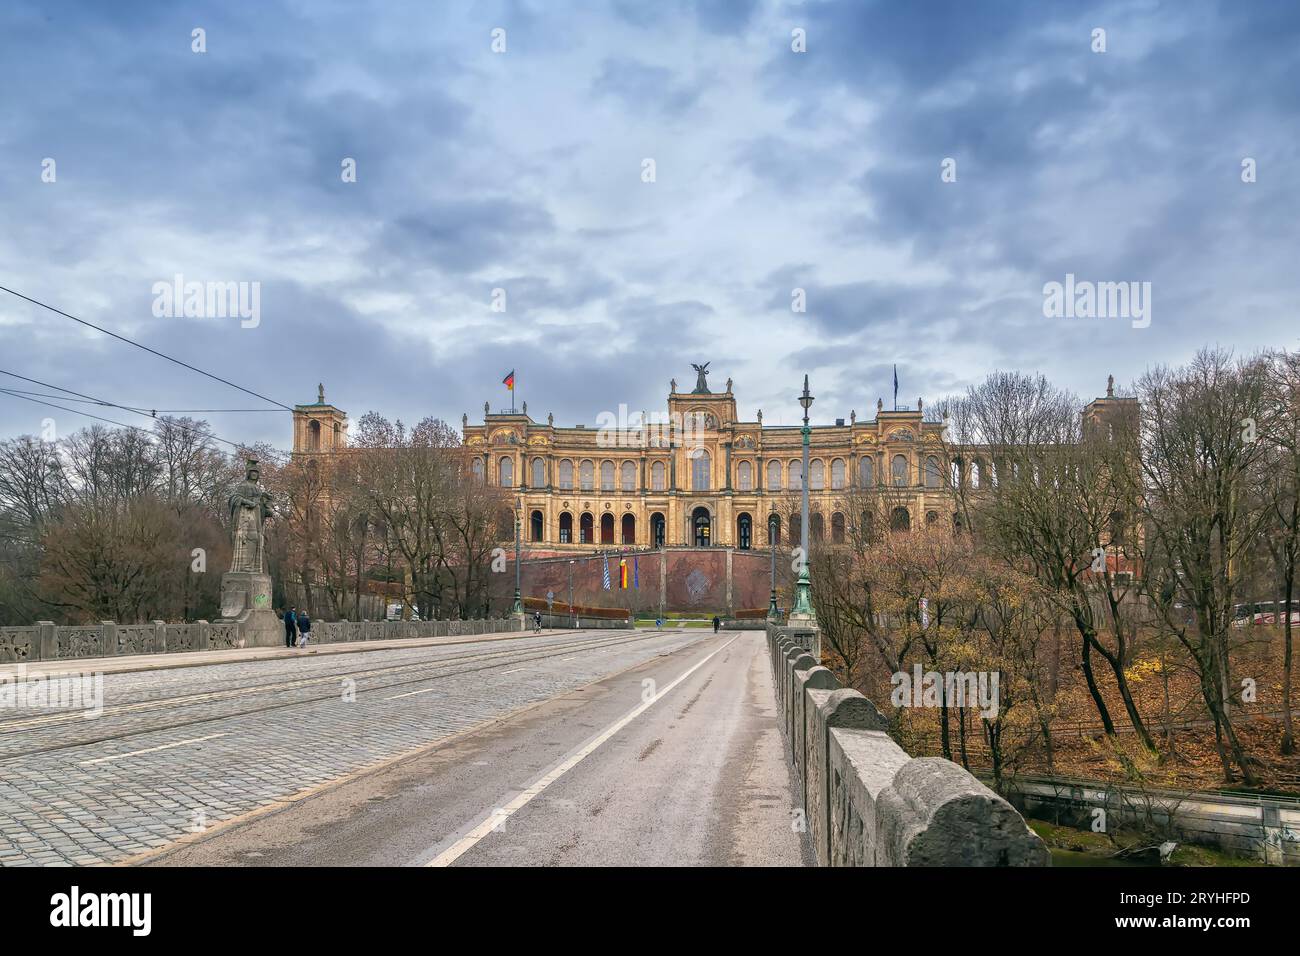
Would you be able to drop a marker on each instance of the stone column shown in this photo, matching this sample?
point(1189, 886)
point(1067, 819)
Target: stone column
point(46, 645)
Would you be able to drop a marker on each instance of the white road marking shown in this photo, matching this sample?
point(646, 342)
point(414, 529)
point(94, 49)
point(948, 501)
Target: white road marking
point(136, 753)
point(412, 693)
point(494, 820)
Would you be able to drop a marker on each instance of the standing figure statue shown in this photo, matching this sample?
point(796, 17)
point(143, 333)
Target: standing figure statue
point(701, 379)
point(250, 506)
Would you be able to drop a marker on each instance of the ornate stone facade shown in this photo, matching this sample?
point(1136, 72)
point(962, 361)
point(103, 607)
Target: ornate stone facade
point(697, 474)
point(700, 475)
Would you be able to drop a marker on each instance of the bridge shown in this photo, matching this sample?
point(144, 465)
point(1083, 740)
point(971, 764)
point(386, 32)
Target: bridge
point(480, 745)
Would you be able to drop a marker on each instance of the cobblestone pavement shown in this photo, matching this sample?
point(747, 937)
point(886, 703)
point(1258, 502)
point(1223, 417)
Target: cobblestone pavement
point(178, 750)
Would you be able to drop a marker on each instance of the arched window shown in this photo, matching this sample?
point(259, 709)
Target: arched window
point(338, 435)
point(796, 476)
point(539, 473)
point(745, 476)
point(702, 527)
point(476, 469)
point(773, 531)
point(867, 471)
point(816, 528)
point(816, 475)
point(628, 476)
point(900, 520)
point(932, 472)
point(586, 528)
point(607, 528)
point(796, 530)
point(506, 472)
point(956, 523)
point(837, 528)
point(535, 526)
point(566, 527)
point(628, 529)
point(931, 519)
point(975, 473)
point(606, 476)
point(773, 476)
point(566, 474)
point(313, 435)
point(898, 470)
point(958, 473)
point(657, 526)
point(587, 475)
point(744, 531)
point(657, 476)
point(837, 474)
point(700, 471)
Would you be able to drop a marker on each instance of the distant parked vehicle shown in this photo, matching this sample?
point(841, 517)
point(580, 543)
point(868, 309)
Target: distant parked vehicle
point(1264, 613)
point(394, 612)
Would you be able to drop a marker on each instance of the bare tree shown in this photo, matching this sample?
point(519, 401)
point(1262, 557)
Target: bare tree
point(1198, 456)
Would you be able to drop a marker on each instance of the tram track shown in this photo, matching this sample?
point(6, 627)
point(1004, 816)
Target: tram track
point(439, 669)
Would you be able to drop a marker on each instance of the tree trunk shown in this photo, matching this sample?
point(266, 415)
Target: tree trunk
point(1288, 729)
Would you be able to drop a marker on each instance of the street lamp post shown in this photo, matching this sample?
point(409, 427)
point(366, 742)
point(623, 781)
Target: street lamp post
point(803, 610)
point(519, 600)
point(772, 612)
point(572, 612)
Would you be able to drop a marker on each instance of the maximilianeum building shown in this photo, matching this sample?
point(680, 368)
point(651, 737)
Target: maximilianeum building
point(697, 475)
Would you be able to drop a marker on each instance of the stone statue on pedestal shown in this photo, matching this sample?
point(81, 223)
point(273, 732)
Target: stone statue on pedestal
point(246, 587)
point(250, 506)
point(701, 379)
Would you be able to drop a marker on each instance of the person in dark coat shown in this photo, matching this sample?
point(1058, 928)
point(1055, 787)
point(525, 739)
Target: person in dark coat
point(717, 623)
point(290, 627)
point(304, 628)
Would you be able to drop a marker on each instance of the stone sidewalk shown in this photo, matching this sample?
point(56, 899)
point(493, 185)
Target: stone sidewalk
point(152, 662)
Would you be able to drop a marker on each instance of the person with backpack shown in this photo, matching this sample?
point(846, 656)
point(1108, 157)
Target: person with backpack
point(304, 628)
point(537, 621)
point(717, 623)
point(290, 627)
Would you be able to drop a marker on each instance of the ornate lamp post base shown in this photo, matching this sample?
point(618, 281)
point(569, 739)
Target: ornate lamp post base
point(802, 612)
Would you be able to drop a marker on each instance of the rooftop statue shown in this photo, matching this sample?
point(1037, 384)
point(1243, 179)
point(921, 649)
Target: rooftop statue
point(701, 379)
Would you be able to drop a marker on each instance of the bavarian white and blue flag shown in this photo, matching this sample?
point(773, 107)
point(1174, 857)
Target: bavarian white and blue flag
point(604, 575)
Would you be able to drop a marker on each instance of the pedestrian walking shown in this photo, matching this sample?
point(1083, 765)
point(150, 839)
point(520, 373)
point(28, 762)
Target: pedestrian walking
point(290, 626)
point(304, 628)
point(717, 623)
point(537, 621)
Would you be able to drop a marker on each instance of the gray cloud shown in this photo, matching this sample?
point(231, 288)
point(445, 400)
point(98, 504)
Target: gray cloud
point(522, 171)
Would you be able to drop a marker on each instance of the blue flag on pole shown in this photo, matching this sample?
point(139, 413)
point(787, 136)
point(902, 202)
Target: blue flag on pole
point(636, 577)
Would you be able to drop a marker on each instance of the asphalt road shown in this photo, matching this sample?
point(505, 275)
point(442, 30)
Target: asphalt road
point(673, 760)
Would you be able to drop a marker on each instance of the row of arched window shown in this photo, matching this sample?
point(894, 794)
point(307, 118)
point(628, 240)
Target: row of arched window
point(623, 531)
point(781, 475)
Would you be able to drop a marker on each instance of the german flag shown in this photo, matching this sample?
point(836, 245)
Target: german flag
point(509, 380)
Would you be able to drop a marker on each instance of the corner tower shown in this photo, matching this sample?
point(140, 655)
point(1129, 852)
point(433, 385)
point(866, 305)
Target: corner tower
point(319, 427)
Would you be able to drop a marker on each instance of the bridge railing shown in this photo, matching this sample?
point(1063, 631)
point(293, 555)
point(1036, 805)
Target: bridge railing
point(866, 801)
point(46, 641)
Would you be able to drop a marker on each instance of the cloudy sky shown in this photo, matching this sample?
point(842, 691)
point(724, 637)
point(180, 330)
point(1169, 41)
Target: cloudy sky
point(524, 170)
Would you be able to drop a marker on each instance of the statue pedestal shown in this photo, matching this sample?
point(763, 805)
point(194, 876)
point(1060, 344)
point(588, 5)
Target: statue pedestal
point(246, 598)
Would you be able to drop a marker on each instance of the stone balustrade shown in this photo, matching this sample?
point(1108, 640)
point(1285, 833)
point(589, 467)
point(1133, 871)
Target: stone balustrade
point(866, 801)
point(46, 641)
